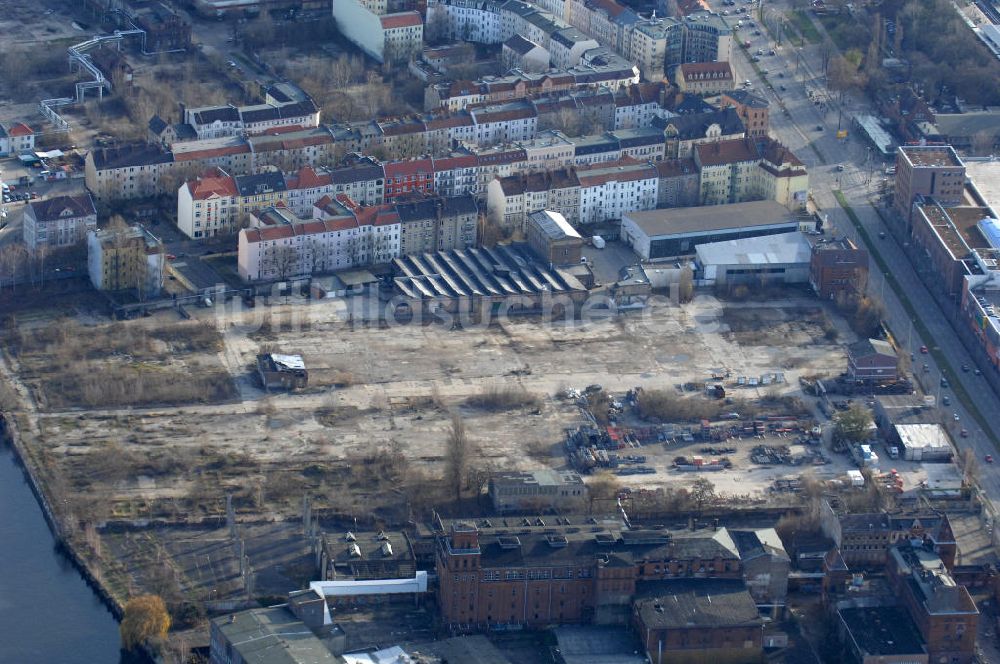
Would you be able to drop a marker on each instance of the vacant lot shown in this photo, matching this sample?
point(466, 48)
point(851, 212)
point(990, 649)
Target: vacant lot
point(779, 326)
point(367, 437)
point(70, 365)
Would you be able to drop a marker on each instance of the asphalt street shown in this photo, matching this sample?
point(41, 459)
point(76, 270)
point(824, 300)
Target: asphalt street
point(859, 181)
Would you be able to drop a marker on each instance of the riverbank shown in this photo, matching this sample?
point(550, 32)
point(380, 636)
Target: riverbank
point(85, 629)
point(11, 434)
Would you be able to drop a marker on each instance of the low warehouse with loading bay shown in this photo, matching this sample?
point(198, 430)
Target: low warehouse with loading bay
point(764, 260)
point(663, 234)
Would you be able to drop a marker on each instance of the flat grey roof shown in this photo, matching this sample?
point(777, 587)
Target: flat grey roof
point(274, 636)
point(781, 249)
point(985, 176)
point(678, 221)
point(883, 630)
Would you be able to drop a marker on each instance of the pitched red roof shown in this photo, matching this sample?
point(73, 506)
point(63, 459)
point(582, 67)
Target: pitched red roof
point(206, 187)
point(458, 161)
point(461, 119)
point(212, 153)
point(726, 152)
point(20, 129)
point(625, 169)
point(395, 169)
point(307, 178)
point(610, 6)
point(400, 20)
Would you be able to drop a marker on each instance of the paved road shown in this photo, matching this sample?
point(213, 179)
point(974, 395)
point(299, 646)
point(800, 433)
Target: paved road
point(859, 182)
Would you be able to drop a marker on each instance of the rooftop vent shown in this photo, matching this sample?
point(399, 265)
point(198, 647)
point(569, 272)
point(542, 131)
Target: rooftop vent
point(350, 537)
point(557, 541)
point(387, 549)
point(509, 543)
point(354, 550)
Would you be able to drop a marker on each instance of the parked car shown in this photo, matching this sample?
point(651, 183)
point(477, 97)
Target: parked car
point(955, 417)
point(946, 400)
point(923, 350)
point(965, 368)
point(988, 458)
point(964, 433)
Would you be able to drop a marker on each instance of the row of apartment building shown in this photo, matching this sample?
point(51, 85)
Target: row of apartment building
point(930, 616)
point(562, 27)
point(598, 68)
point(341, 234)
point(140, 170)
point(588, 179)
point(730, 171)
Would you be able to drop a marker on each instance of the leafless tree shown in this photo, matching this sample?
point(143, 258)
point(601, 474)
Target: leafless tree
point(285, 259)
point(12, 258)
point(340, 71)
point(983, 142)
point(456, 456)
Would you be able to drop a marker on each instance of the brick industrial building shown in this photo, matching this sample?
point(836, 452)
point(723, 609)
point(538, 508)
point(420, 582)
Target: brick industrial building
point(944, 612)
point(699, 621)
point(838, 269)
point(932, 171)
point(564, 573)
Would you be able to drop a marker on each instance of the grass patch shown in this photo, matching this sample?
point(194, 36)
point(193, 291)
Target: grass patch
point(333, 415)
point(121, 364)
point(497, 399)
point(803, 23)
point(939, 357)
point(667, 407)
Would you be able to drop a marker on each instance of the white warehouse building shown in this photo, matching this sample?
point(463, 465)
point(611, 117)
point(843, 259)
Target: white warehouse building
point(766, 259)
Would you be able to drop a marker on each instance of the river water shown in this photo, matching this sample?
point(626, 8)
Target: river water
point(47, 611)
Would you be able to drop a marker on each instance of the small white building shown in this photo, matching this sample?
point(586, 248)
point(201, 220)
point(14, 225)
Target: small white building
point(20, 138)
point(924, 442)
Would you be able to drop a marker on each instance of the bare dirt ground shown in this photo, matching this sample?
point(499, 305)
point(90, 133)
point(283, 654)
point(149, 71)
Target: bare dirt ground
point(365, 440)
point(376, 415)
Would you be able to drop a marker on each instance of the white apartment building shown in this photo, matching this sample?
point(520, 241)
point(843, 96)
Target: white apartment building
point(218, 204)
point(386, 37)
point(300, 247)
point(567, 46)
point(609, 190)
point(402, 36)
point(504, 123)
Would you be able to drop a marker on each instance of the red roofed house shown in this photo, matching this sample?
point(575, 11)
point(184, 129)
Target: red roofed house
point(217, 204)
point(404, 177)
point(21, 138)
